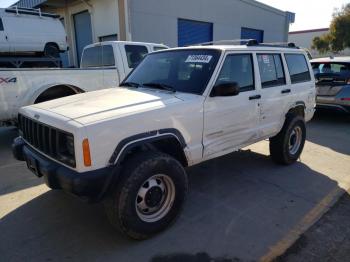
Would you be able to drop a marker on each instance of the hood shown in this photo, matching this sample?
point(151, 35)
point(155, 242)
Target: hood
point(113, 102)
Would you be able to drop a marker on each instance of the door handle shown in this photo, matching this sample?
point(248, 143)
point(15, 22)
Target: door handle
point(255, 97)
point(285, 91)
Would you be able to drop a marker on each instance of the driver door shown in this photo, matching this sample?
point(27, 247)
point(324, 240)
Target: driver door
point(231, 121)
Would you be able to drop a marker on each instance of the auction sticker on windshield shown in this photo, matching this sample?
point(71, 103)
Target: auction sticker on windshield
point(198, 59)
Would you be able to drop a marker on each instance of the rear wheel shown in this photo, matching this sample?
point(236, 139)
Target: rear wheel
point(51, 50)
point(149, 196)
point(287, 145)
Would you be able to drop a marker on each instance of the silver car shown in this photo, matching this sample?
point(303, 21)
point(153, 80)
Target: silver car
point(332, 76)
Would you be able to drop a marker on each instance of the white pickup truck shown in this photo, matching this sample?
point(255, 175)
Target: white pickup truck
point(102, 65)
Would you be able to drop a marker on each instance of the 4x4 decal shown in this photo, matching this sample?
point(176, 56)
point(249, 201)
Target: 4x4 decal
point(8, 80)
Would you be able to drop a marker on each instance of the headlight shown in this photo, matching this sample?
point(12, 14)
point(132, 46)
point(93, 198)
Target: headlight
point(66, 152)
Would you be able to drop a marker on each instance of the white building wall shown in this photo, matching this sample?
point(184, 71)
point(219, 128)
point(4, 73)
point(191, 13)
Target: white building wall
point(104, 20)
point(156, 21)
point(304, 39)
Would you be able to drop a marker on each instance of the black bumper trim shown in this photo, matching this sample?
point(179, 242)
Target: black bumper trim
point(89, 185)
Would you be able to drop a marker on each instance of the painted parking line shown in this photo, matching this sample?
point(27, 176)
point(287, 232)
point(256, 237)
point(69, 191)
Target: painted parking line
point(306, 222)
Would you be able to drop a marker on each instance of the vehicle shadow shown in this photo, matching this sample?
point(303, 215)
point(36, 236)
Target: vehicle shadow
point(238, 207)
point(327, 128)
point(14, 175)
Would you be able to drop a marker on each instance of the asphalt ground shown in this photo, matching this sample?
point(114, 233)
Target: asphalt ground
point(241, 207)
point(328, 240)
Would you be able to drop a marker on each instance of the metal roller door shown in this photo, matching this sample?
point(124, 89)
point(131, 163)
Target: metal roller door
point(250, 33)
point(83, 32)
point(193, 32)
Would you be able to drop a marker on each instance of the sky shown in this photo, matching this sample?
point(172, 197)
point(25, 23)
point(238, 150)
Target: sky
point(310, 14)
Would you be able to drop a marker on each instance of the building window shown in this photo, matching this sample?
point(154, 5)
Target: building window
point(1, 25)
point(108, 38)
point(193, 32)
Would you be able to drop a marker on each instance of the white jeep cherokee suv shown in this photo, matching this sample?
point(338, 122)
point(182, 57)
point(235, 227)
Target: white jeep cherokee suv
point(129, 146)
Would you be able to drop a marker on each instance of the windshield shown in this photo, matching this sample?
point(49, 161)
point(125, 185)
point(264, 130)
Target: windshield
point(180, 70)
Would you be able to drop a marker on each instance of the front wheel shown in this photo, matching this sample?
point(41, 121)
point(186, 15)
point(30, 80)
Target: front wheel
point(287, 145)
point(149, 196)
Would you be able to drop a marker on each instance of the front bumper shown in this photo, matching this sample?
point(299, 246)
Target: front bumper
point(91, 185)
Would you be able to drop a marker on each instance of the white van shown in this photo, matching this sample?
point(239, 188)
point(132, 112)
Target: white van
point(25, 30)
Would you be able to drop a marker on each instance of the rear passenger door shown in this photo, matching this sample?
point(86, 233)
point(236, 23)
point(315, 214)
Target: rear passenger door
point(231, 121)
point(275, 93)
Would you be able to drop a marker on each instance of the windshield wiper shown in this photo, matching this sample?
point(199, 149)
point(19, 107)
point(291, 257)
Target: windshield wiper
point(160, 86)
point(131, 84)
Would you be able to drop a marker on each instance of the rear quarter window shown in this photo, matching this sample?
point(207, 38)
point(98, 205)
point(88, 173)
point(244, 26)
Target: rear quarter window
point(298, 68)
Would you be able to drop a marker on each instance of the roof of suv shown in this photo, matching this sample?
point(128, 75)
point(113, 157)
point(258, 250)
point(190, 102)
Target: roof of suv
point(240, 48)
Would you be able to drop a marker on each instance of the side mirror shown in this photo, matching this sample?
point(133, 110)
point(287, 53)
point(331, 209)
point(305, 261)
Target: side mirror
point(225, 89)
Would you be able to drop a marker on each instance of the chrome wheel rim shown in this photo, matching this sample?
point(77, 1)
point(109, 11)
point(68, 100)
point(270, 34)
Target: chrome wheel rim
point(155, 198)
point(295, 139)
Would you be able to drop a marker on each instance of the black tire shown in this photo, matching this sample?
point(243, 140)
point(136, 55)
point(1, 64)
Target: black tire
point(122, 205)
point(280, 150)
point(51, 50)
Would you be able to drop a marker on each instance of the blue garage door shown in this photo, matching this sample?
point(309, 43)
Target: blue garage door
point(193, 32)
point(249, 33)
point(83, 32)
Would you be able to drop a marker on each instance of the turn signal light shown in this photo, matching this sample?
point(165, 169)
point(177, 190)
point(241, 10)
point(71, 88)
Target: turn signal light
point(86, 152)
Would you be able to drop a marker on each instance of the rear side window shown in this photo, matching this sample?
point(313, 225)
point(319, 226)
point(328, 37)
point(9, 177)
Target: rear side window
point(239, 69)
point(298, 68)
point(135, 54)
point(271, 70)
point(1, 25)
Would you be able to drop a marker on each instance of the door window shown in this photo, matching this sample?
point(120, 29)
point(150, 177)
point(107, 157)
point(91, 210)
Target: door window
point(298, 68)
point(238, 68)
point(271, 70)
point(135, 54)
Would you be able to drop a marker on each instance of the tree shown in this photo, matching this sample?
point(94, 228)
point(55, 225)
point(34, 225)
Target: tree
point(338, 37)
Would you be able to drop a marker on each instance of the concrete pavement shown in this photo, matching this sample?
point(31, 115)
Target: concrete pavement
point(242, 207)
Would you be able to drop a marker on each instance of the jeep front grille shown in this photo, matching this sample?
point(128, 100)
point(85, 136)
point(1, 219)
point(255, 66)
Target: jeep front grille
point(49, 140)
